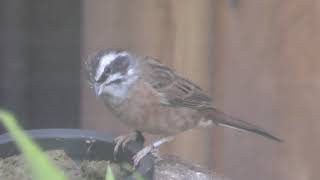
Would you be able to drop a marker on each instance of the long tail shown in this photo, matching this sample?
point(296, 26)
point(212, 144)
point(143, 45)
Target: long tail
point(221, 119)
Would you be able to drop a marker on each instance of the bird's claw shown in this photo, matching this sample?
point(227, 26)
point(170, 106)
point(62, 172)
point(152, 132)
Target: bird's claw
point(142, 153)
point(151, 148)
point(122, 141)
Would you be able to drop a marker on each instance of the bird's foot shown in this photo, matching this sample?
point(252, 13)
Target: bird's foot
point(151, 148)
point(122, 141)
point(142, 153)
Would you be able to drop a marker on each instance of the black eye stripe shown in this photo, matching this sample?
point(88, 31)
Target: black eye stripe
point(102, 78)
point(104, 75)
point(120, 64)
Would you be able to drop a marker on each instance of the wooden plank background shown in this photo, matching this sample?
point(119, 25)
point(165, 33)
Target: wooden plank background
point(258, 59)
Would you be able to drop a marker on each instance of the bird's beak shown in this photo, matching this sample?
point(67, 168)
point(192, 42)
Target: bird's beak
point(98, 90)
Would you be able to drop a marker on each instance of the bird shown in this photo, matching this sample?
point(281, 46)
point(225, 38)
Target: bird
point(151, 97)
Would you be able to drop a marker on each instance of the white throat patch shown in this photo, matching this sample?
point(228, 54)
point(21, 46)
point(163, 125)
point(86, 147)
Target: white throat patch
point(118, 92)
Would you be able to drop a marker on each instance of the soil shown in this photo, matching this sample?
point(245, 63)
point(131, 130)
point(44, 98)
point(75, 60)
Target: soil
point(15, 167)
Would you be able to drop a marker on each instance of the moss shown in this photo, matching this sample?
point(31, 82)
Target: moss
point(15, 167)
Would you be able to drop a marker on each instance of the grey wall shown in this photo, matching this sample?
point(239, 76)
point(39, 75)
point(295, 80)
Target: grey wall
point(40, 61)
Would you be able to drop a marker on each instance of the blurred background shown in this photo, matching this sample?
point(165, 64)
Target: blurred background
point(259, 60)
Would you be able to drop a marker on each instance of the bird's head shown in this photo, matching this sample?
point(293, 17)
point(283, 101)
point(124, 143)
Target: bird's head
point(111, 72)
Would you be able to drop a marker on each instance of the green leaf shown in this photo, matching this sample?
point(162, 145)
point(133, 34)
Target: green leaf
point(41, 167)
point(109, 174)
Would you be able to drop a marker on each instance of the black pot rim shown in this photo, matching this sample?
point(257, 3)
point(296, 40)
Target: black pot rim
point(61, 133)
point(145, 167)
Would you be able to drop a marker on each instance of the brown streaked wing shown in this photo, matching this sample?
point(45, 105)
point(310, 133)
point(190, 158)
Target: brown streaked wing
point(174, 89)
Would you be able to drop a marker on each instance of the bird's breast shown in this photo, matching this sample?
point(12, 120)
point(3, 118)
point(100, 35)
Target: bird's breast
point(143, 111)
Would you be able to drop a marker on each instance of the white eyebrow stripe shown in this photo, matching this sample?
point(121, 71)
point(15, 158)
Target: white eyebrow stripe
point(105, 61)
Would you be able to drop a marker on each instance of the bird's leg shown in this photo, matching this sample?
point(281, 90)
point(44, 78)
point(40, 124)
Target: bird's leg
point(122, 141)
point(151, 147)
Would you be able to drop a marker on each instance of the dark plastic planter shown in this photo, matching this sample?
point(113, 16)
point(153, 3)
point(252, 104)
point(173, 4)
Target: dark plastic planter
point(80, 145)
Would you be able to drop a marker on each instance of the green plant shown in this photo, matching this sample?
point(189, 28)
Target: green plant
point(41, 167)
point(109, 174)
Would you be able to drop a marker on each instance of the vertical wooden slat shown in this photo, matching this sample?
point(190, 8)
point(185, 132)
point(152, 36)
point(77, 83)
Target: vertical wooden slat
point(268, 73)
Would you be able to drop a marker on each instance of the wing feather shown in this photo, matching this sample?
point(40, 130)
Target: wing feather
point(178, 91)
point(174, 89)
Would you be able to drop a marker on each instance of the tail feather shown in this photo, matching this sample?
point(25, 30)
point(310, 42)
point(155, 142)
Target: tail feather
point(222, 119)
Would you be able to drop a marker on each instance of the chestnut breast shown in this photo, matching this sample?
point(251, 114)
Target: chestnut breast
point(142, 110)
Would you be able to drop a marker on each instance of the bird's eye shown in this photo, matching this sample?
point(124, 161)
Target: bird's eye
point(107, 70)
point(104, 75)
